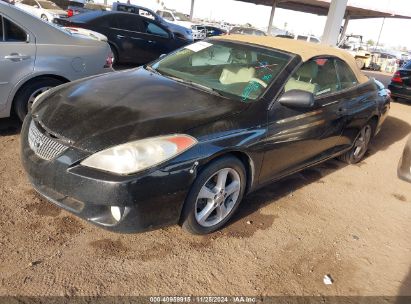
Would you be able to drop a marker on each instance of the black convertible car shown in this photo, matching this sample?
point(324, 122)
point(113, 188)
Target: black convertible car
point(183, 139)
point(133, 38)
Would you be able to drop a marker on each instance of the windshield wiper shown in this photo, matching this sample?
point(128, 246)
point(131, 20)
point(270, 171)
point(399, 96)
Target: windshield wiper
point(151, 69)
point(197, 85)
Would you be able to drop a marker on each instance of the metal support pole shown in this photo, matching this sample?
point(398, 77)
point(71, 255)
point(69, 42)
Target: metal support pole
point(344, 30)
point(192, 10)
point(270, 23)
point(333, 25)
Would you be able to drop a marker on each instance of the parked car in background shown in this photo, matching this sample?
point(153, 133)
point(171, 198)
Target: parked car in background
point(183, 20)
point(183, 139)
point(246, 31)
point(36, 56)
point(43, 9)
point(214, 31)
point(199, 32)
point(358, 49)
point(134, 39)
point(75, 8)
point(178, 30)
point(226, 26)
point(307, 38)
point(400, 85)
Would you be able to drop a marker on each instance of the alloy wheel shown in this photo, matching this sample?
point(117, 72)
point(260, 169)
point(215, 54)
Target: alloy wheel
point(34, 95)
point(217, 197)
point(361, 144)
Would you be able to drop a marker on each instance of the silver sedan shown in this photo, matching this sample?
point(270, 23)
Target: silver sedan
point(36, 56)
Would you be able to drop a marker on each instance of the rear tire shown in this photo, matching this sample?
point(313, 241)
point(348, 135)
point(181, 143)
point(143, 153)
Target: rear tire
point(214, 196)
point(360, 63)
point(360, 147)
point(26, 95)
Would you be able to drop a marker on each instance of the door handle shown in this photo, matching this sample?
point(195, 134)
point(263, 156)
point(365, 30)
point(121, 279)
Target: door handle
point(120, 36)
point(16, 57)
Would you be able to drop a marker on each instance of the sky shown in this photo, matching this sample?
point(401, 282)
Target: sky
point(395, 31)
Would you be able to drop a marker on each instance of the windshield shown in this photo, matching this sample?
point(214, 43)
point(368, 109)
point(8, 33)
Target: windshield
point(181, 17)
point(239, 71)
point(48, 5)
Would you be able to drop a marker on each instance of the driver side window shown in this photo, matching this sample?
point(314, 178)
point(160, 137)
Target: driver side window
point(317, 76)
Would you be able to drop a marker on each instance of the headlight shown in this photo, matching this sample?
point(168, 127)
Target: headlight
point(138, 155)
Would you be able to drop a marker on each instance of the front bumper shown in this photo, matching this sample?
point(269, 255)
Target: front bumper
point(147, 200)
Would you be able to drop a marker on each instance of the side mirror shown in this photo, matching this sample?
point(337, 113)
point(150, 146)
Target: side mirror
point(35, 6)
point(297, 99)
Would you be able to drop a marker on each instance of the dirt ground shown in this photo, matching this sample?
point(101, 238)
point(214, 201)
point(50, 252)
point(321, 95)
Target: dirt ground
point(352, 222)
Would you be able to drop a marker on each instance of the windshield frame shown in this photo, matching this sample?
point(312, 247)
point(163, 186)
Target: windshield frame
point(234, 97)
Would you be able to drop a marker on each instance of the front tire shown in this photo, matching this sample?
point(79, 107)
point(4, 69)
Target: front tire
point(25, 97)
point(357, 152)
point(214, 196)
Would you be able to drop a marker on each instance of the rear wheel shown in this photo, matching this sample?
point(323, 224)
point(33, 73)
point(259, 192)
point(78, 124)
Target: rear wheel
point(360, 63)
point(214, 196)
point(357, 152)
point(28, 93)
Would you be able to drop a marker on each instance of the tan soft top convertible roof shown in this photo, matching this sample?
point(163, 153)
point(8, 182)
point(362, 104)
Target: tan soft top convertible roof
point(306, 50)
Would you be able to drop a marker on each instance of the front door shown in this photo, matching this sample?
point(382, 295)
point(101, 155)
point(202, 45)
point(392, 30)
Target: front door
point(17, 56)
point(128, 38)
point(158, 40)
point(298, 137)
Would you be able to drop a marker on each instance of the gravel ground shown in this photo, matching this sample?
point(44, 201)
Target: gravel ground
point(351, 222)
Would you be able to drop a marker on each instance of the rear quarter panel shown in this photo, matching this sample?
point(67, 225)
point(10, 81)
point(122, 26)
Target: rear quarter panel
point(69, 61)
point(359, 106)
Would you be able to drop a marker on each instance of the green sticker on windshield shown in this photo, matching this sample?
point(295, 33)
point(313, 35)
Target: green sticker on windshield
point(249, 89)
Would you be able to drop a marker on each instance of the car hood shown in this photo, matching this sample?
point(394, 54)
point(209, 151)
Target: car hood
point(115, 108)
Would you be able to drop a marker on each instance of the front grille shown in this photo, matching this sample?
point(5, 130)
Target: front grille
point(45, 147)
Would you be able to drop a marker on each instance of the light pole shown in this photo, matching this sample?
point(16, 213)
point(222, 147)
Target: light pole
point(379, 35)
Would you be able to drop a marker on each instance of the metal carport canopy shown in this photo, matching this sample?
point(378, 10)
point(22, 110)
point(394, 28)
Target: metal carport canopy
point(354, 9)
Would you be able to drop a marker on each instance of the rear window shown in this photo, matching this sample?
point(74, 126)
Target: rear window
point(407, 65)
point(347, 77)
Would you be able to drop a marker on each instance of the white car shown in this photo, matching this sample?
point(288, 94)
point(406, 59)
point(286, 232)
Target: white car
point(36, 56)
point(43, 9)
point(199, 32)
point(307, 38)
